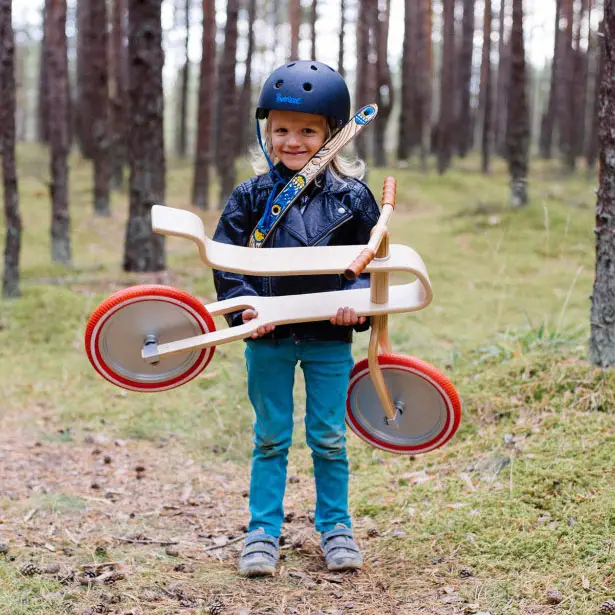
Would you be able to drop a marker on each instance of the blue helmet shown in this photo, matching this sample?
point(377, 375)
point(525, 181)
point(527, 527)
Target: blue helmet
point(306, 86)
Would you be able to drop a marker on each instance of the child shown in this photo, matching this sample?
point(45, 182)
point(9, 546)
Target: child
point(304, 102)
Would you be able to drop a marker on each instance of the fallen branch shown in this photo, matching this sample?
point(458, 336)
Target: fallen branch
point(147, 541)
point(230, 542)
point(101, 565)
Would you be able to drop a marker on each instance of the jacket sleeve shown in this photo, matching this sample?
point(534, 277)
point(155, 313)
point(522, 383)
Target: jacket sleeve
point(234, 227)
point(366, 213)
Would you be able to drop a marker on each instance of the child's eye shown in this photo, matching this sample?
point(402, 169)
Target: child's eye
point(280, 130)
point(308, 131)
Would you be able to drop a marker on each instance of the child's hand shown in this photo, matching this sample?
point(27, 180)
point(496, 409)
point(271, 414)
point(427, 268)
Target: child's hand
point(347, 316)
point(248, 315)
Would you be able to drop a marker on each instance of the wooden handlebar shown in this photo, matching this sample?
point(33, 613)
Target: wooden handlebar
point(378, 232)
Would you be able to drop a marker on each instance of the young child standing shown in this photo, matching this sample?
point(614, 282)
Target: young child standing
point(304, 103)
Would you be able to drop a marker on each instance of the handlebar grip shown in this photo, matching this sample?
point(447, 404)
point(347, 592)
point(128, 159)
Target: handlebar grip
point(358, 264)
point(388, 191)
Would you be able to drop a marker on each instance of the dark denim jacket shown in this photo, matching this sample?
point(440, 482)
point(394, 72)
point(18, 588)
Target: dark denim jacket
point(338, 212)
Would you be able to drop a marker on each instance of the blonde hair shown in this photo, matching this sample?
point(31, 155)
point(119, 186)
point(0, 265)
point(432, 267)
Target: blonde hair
point(340, 166)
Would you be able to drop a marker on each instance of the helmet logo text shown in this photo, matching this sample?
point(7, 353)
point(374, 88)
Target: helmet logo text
point(288, 99)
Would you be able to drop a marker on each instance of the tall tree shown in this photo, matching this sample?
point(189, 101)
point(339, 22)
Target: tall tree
point(12, 245)
point(465, 78)
point(565, 106)
point(518, 133)
point(202, 159)
point(500, 109)
point(43, 109)
point(593, 141)
point(408, 82)
point(182, 131)
point(549, 117)
point(84, 92)
point(446, 124)
point(602, 315)
point(485, 90)
point(143, 249)
point(384, 84)
point(245, 98)
point(227, 105)
point(424, 61)
point(118, 56)
point(58, 132)
point(294, 18)
point(340, 52)
point(313, 20)
point(99, 76)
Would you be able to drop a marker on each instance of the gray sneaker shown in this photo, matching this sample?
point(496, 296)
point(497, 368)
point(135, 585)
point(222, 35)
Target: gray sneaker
point(340, 549)
point(260, 554)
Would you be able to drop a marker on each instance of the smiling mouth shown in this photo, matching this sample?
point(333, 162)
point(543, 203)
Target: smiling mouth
point(295, 153)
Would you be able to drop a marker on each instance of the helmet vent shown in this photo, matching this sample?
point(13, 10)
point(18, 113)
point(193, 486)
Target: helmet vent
point(307, 87)
point(279, 84)
point(291, 64)
point(314, 67)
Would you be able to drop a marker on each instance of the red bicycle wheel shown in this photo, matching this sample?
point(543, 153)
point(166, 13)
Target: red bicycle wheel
point(117, 330)
point(431, 408)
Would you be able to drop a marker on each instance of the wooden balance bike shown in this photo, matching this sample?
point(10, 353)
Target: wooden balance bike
point(154, 338)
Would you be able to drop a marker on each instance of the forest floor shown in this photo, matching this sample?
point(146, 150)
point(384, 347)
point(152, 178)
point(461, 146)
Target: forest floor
point(120, 502)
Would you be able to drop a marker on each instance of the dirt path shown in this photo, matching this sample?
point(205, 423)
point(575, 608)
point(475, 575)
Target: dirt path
point(172, 529)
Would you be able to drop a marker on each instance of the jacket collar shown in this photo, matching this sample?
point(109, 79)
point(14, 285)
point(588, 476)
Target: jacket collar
point(332, 183)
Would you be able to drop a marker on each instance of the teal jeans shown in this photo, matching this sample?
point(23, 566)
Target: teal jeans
point(271, 375)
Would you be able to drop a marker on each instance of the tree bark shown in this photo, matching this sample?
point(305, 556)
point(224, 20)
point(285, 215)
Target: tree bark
point(340, 52)
point(518, 132)
point(12, 244)
point(465, 78)
point(294, 17)
point(119, 99)
point(58, 132)
point(566, 90)
point(143, 249)
point(408, 72)
point(84, 91)
point(314, 18)
point(485, 91)
point(550, 115)
point(424, 78)
point(384, 85)
point(43, 81)
point(227, 105)
point(182, 132)
point(593, 143)
point(99, 77)
point(202, 159)
point(446, 124)
point(502, 86)
point(245, 98)
point(602, 315)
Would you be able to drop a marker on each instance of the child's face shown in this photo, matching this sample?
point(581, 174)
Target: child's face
point(296, 137)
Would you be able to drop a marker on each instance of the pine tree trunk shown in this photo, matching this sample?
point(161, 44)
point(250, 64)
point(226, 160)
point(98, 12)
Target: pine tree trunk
point(119, 100)
point(566, 91)
point(227, 105)
point(246, 125)
point(99, 76)
point(43, 81)
point(384, 85)
point(202, 162)
point(593, 143)
point(407, 112)
point(446, 124)
point(314, 18)
point(58, 132)
point(294, 17)
point(182, 133)
point(485, 90)
point(602, 315)
point(550, 115)
point(12, 245)
point(518, 132)
point(579, 84)
point(362, 71)
point(465, 78)
point(500, 109)
point(424, 78)
point(143, 249)
point(84, 81)
point(340, 52)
